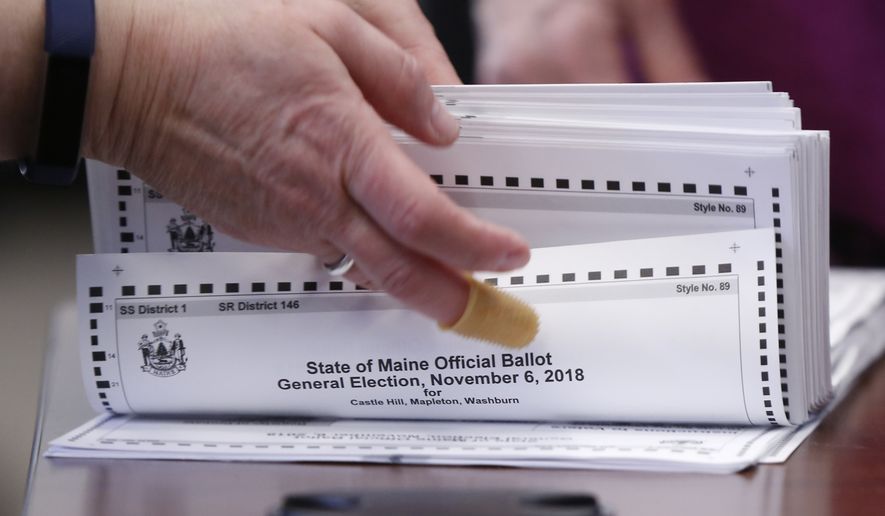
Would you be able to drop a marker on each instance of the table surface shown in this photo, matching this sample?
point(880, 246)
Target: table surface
point(840, 469)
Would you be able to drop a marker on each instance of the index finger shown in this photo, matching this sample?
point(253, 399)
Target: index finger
point(413, 211)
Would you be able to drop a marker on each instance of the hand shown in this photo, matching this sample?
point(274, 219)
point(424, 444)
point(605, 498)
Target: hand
point(265, 118)
point(567, 41)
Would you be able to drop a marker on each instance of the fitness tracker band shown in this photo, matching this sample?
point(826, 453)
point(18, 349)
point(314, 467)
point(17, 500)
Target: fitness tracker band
point(70, 43)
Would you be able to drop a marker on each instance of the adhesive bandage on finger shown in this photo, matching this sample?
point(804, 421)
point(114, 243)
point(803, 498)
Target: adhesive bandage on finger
point(495, 316)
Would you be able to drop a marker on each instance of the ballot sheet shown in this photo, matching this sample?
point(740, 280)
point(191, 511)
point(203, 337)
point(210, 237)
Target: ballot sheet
point(701, 448)
point(714, 449)
point(562, 182)
point(673, 329)
point(544, 189)
point(680, 236)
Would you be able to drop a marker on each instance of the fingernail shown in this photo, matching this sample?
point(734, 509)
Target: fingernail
point(445, 125)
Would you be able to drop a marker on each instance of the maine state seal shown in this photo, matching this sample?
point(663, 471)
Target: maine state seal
point(190, 234)
point(162, 356)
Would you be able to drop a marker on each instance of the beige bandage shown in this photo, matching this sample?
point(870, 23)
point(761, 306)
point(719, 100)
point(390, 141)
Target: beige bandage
point(495, 316)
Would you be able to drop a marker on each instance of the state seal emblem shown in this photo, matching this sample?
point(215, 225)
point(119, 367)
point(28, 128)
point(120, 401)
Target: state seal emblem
point(189, 234)
point(162, 356)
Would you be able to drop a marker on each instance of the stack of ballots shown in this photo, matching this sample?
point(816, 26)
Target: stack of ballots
point(679, 269)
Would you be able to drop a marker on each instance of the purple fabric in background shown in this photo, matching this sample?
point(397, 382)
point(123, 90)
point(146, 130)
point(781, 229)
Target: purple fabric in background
point(830, 56)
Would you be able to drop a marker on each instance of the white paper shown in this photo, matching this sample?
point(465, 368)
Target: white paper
point(715, 449)
point(551, 194)
point(711, 449)
point(653, 330)
point(562, 164)
point(560, 184)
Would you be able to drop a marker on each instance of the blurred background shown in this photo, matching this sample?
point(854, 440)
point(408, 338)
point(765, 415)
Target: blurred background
point(827, 54)
point(41, 230)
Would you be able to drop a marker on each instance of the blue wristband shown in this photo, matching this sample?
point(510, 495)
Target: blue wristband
point(69, 42)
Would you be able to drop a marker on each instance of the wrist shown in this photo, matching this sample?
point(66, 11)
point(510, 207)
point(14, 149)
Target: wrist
point(141, 71)
point(114, 21)
point(24, 67)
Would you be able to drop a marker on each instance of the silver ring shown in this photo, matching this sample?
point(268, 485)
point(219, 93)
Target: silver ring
point(340, 266)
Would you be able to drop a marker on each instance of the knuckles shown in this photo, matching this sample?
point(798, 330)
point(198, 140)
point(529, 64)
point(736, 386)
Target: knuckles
point(411, 81)
point(329, 18)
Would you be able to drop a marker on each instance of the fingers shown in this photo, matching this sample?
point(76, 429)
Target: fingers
point(384, 182)
point(409, 207)
point(391, 79)
point(662, 41)
point(405, 24)
point(422, 284)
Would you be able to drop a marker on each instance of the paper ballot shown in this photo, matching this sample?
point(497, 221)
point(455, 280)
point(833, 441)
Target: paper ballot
point(561, 445)
point(563, 182)
point(240, 334)
point(679, 269)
